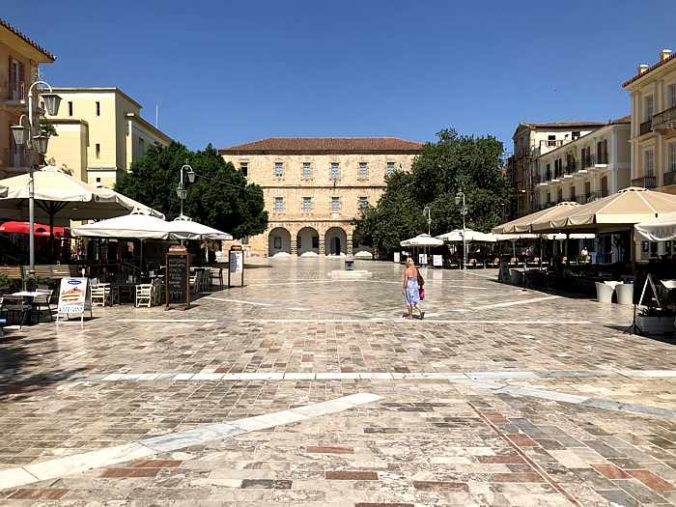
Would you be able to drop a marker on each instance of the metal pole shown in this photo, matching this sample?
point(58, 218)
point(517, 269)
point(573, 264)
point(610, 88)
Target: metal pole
point(31, 186)
point(464, 234)
point(180, 197)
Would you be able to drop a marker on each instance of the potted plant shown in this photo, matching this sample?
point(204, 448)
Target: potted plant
point(654, 320)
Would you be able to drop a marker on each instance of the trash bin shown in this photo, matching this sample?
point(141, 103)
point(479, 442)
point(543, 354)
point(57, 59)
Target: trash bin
point(625, 294)
point(604, 292)
point(349, 263)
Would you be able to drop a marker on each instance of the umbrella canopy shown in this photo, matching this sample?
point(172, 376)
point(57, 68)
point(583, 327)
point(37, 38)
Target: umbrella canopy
point(60, 197)
point(662, 228)
point(526, 223)
point(515, 237)
point(24, 228)
point(469, 234)
point(422, 240)
point(136, 225)
point(627, 207)
point(184, 227)
point(561, 236)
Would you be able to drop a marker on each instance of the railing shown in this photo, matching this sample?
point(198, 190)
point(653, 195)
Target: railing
point(665, 120)
point(589, 161)
point(670, 178)
point(17, 91)
point(571, 168)
point(602, 157)
point(581, 199)
point(644, 181)
point(552, 143)
point(645, 127)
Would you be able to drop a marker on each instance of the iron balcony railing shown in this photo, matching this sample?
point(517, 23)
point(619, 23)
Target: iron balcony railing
point(571, 167)
point(602, 157)
point(644, 181)
point(665, 120)
point(670, 177)
point(588, 161)
point(645, 127)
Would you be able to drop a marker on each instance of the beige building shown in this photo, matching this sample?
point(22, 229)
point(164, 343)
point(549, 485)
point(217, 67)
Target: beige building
point(100, 132)
point(314, 187)
point(19, 60)
point(532, 140)
point(592, 166)
point(653, 124)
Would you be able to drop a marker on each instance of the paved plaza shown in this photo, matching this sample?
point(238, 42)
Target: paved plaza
point(301, 390)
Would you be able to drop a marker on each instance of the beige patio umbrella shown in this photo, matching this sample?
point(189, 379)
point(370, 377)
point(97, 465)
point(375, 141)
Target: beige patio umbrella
point(627, 207)
point(525, 223)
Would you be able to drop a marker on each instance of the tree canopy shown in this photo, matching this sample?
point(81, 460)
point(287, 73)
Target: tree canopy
point(220, 196)
point(442, 169)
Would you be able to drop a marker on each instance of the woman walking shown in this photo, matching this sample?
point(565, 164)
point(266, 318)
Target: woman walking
point(413, 288)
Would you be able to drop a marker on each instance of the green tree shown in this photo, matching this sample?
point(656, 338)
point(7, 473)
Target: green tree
point(468, 163)
point(220, 196)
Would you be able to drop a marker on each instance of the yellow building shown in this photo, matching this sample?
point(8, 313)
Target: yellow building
point(315, 186)
point(100, 133)
point(19, 60)
point(653, 124)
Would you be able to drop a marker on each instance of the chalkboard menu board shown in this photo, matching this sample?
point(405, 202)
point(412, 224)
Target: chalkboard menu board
point(177, 278)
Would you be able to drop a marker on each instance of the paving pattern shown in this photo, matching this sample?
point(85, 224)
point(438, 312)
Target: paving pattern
point(499, 397)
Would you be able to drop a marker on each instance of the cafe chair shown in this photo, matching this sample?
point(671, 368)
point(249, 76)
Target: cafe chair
point(144, 295)
point(100, 296)
point(17, 305)
point(42, 303)
point(216, 277)
point(157, 291)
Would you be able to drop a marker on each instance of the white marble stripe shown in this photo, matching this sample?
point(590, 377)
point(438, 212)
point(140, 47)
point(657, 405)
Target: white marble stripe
point(390, 320)
point(471, 376)
point(514, 303)
point(82, 462)
point(179, 321)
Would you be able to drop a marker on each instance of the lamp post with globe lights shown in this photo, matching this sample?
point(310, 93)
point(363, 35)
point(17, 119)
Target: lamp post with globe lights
point(460, 198)
point(181, 190)
point(22, 133)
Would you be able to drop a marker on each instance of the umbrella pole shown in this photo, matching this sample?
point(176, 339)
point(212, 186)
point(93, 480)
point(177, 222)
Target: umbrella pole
point(51, 236)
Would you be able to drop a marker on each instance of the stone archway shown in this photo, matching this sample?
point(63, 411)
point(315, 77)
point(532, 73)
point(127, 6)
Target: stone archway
point(279, 240)
point(307, 240)
point(335, 241)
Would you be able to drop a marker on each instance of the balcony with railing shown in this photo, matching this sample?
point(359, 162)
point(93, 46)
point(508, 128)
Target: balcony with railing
point(571, 167)
point(644, 181)
point(665, 121)
point(670, 177)
point(645, 127)
point(602, 158)
point(588, 161)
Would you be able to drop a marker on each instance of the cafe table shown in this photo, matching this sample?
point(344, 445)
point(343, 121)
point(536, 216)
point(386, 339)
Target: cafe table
point(25, 296)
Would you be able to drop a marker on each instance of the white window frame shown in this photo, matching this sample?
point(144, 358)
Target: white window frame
point(363, 170)
point(335, 204)
point(279, 204)
point(306, 175)
point(244, 164)
point(334, 169)
point(671, 157)
point(306, 204)
point(648, 112)
point(363, 202)
point(649, 162)
point(390, 168)
point(671, 96)
point(278, 170)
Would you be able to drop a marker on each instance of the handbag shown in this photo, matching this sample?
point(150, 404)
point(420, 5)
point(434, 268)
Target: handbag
point(421, 294)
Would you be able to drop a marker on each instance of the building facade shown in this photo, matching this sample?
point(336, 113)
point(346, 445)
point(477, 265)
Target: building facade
point(315, 187)
point(19, 60)
point(653, 124)
point(592, 166)
point(100, 133)
point(532, 140)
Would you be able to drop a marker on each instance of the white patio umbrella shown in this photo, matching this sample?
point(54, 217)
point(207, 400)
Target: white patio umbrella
point(470, 236)
point(662, 228)
point(422, 240)
point(184, 228)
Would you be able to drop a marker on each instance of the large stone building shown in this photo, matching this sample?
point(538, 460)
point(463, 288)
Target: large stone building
point(592, 166)
point(100, 132)
point(314, 187)
point(19, 60)
point(530, 141)
point(653, 124)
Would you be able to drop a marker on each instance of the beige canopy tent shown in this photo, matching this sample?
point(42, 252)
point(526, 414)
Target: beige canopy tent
point(627, 207)
point(469, 235)
point(525, 224)
point(662, 228)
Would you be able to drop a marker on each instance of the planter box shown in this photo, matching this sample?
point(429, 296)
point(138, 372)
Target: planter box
point(655, 325)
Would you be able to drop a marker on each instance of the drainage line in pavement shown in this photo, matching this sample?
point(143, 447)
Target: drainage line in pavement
point(540, 471)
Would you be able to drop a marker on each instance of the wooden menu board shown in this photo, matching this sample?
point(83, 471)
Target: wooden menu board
point(177, 278)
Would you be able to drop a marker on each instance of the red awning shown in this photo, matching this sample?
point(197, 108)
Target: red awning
point(23, 228)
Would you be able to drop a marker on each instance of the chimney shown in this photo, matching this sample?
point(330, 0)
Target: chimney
point(664, 54)
point(642, 68)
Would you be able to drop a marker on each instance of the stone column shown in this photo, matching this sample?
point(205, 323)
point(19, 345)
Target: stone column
point(322, 247)
point(349, 243)
point(293, 244)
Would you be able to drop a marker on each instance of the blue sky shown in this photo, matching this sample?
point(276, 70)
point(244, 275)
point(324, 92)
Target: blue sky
point(231, 71)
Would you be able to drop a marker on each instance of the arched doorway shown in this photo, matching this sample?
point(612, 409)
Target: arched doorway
point(335, 241)
point(279, 240)
point(307, 240)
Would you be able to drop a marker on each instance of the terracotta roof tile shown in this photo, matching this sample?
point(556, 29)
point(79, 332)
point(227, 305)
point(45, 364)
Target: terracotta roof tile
point(649, 70)
point(4, 23)
point(313, 145)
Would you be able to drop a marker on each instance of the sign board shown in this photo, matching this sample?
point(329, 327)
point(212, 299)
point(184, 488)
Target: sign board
point(397, 257)
point(177, 277)
point(74, 297)
point(235, 263)
point(422, 259)
point(437, 261)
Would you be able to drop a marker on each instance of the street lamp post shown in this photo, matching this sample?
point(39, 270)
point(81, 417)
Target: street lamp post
point(460, 198)
point(181, 190)
point(37, 143)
